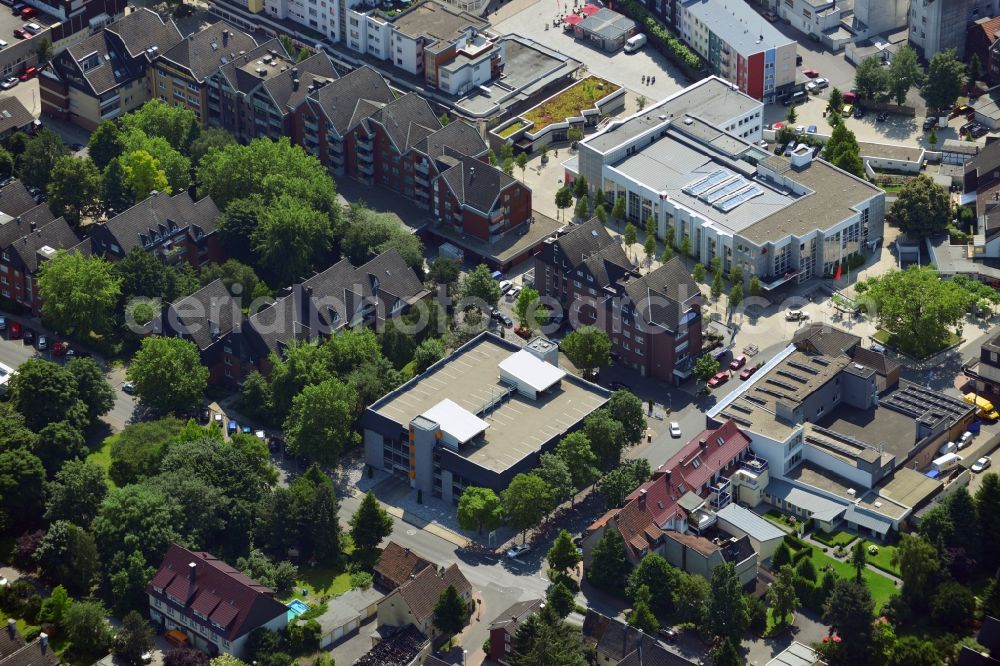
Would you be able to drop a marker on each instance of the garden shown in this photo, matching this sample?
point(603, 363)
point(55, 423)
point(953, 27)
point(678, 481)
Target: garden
point(881, 588)
point(569, 103)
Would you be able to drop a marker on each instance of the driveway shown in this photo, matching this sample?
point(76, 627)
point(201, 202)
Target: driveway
point(807, 628)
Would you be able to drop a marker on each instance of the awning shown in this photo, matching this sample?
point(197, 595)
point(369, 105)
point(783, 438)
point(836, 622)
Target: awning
point(572, 19)
point(590, 10)
point(877, 524)
point(774, 284)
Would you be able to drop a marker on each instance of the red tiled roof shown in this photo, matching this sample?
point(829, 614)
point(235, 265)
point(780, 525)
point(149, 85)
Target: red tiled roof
point(686, 472)
point(222, 593)
point(990, 28)
point(396, 564)
point(422, 592)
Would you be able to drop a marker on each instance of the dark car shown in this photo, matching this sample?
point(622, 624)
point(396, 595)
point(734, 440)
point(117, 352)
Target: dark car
point(930, 122)
point(205, 415)
point(979, 130)
point(276, 444)
point(617, 386)
point(28, 336)
point(667, 634)
point(859, 112)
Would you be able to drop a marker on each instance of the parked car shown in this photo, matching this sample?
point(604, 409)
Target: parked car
point(796, 314)
point(748, 372)
point(981, 464)
point(811, 73)
point(848, 110)
point(800, 129)
point(812, 129)
point(877, 347)
point(17, 7)
point(33, 28)
point(738, 362)
point(718, 379)
point(675, 429)
point(667, 634)
point(618, 386)
point(965, 440)
point(28, 337)
point(771, 17)
point(205, 415)
point(129, 388)
point(811, 88)
point(859, 112)
point(3, 323)
point(821, 83)
point(15, 330)
point(518, 551)
point(930, 123)
point(979, 130)
point(506, 286)
point(21, 33)
point(43, 342)
point(9, 82)
point(29, 73)
point(28, 12)
point(60, 348)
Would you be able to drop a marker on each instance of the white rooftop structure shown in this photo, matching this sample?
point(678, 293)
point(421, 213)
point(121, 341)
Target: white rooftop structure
point(455, 421)
point(531, 374)
point(749, 522)
point(796, 654)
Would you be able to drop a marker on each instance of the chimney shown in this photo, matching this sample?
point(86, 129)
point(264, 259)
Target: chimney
point(43, 641)
point(703, 443)
point(225, 37)
point(33, 224)
point(18, 220)
point(192, 571)
point(295, 84)
point(642, 498)
point(295, 72)
point(12, 627)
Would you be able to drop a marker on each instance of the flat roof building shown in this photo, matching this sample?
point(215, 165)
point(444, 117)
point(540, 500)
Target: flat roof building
point(606, 28)
point(692, 163)
point(478, 417)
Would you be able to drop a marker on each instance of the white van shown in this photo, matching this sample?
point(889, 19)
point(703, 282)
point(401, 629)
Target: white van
point(635, 42)
point(946, 462)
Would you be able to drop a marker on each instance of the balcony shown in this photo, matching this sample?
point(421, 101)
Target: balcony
point(366, 169)
point(720, 486)
point(421, 179)
point(721, 500)
point(754, 465)
point(334, 145)
point(423, 167)
point(365, 156)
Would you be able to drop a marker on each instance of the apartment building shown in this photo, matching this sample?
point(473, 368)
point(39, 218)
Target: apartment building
point(412, 603)
point(179, 76)
point(690, 162)
point(740, 46)
point(212, 604)
point(174, 228)
point(254, 94)
point(936, 25)
point(26, 240)
point(653, 320)
point(985, 370)
point(432, 430)
point(106, 74)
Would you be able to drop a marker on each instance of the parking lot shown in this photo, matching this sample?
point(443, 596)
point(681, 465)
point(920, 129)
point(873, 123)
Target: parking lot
point(9, 22)
point(622, 68)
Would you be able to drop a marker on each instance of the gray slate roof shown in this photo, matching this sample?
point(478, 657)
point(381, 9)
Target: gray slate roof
point(456, 139)
point(590, 237)
point(339, 99)
point(41, 243)
point(197, 318)
point(203, 52)
point(156, 213)
point(476, 184)
point(144, 29)
point(282, 87)
point(13, 115)
point(660, 296)
point(817, 338)
point(407, 120)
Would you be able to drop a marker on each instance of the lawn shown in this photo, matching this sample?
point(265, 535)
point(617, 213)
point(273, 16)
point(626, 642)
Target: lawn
point(882, 560)
point(887, 338)
point(781, 520)
point(511, 129)
point(570, 102)
point(881, 588)
point(834, 539)
point(318, 582)
point(773, 626)
point(102, 456)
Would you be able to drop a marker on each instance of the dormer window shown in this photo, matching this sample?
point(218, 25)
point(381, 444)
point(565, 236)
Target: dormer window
point(721, 441)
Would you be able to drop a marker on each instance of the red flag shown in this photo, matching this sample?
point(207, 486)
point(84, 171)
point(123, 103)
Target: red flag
point(840, 268)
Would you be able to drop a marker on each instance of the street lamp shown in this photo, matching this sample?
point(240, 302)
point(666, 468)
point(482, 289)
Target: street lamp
point(465, 655)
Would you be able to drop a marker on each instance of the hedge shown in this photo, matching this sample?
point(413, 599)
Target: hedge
point(670, 44)
point(795, 542)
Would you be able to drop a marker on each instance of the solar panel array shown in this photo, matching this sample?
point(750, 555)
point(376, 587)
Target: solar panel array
point(732, 202)
point(702, 185)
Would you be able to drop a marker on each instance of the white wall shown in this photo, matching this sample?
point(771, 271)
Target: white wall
point(406, 53)
point(837, 466)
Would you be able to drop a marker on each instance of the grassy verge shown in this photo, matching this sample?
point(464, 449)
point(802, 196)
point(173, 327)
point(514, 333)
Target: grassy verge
point(102, 456)
point(774, 624)
point(883, 559)
point(319, 582)
point(887, 338)
point(834, 539)
point(781, 520)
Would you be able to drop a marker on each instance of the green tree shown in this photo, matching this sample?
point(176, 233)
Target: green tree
point(41, 152)
point(87, 628)
point(133, 639)
point(68, 554)
point(238, 224)
point(617, 484)
point(479, 285)
point(726, 654)
point(370, 234)
point(781, 594)
point(209, 141)
point(988, 515)
point(527, 309)
point(649, 247)
point(479, 508)
point(563, 554)
point(656, 575)
point(871, 79)
point(46, 393)
point(168, 374)
point(54, 608)
point(370, 524)
point(706, 366)
point(561, 599)
point(92, 387)
point(755, 289)
point(850, 611)
point(320, 424)
point(554, 471)
point(587, 348)
point(791, 117)
point(698, 272)
point(74, 188)
point(238, 278)
point(945, 76)
point(630, 234)
point(618, 209)
point(717, 285)
point(806, 569)
point(919, 325)
point(522, 163)
point(136, 518)
point(137, 451)
point(44, 50)
point(835, 105)
point(728, 616)
point(427, 353)
point(564, 198)
point(78, 293)
point(22, 489)
point(105, 144)
point(116, 194)
point(913, 651)
point(580, 187)
point(609, 564)
point(444, 270)
point(841, 139)
point(6, 163)
point(451, 612)
point(177, 125)
point(904, 72)
point(143, 174)
point(685, 246)
point(628, 410)
point(859, 558)
point(544, 639)
point(128, 583)
point(691, 598)
point(582, 209)
point(290, 238)
point(76, 493)
point(922, 207)
point(735, 296)
point(607, 438)
point(526, 501)
point(953, 605)
point(641, 617)
point(576, 452)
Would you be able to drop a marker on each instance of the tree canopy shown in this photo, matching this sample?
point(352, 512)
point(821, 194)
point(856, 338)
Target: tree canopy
point(78, 293)
point(525, 501)
point(168, 373)
point(922, 207)
point(587, 348)
point(478, 509)
point(945, 77)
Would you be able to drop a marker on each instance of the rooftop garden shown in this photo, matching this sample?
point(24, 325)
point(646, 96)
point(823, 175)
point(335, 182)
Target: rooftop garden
point(512, 129)
point(570, 102)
